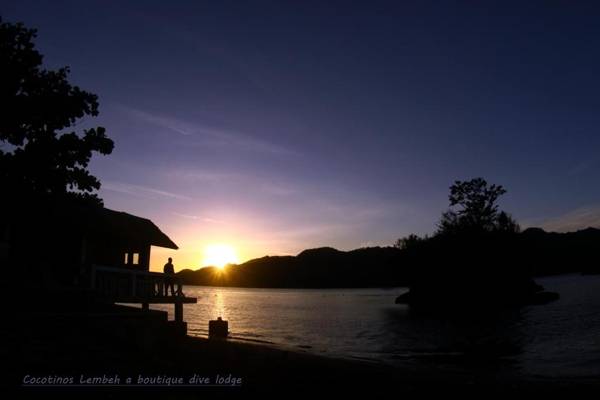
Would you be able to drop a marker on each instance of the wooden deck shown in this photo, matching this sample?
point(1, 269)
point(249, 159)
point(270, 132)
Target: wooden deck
point(158, 300)
point(131, 286)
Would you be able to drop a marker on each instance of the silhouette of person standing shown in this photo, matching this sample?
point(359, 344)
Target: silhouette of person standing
point(169, 270)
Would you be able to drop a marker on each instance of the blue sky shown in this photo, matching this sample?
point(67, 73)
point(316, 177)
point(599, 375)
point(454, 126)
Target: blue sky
point(277, 126)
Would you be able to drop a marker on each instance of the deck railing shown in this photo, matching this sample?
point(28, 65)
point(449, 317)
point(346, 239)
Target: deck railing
point(130, 285)
point(125, 285)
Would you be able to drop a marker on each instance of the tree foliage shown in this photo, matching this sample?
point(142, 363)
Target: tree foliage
point(39, 154)
point(409, 241)
point(474, 208)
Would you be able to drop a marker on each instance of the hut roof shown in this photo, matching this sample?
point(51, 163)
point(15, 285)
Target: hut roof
point(129, 228)
point(107, 224)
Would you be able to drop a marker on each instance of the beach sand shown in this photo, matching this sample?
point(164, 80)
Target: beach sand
point(97, 357)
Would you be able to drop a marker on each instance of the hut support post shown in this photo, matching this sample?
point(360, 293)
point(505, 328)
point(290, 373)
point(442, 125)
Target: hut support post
point(178, 311)
point(133, 284)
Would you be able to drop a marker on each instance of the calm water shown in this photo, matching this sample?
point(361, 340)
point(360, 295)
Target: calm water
point(561, 339)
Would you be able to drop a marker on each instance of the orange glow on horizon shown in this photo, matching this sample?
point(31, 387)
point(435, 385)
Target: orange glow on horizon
point(236, 242)
point(219, 255)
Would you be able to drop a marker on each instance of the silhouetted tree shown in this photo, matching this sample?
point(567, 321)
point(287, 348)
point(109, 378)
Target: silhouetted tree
point(475, 209)
point(506, 223)
point(38, 153)
point(409, 241)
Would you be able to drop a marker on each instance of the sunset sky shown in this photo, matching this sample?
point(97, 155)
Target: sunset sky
point(277, 126)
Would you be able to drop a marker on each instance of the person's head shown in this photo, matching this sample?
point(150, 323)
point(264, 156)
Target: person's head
point(170, 259)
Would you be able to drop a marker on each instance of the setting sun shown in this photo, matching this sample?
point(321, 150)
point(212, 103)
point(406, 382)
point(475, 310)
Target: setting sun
point(219, 255)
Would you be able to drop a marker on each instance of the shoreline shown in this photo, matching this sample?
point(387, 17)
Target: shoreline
point(64, 349)
point(72, 338)
point(541, 276)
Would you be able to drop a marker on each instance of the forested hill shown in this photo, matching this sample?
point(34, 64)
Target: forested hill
point(541, 252)
point(315, 268)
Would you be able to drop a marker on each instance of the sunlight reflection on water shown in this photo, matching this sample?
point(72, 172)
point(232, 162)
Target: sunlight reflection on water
point(561, 338)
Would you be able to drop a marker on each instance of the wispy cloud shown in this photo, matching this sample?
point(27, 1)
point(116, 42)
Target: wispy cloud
point(186, 216)
point(141, 191)
point(315, 230)
point(226, 138)
point(171, 124)
point(265, 184)
point(577, 219)
point(198, 218)
point(202, 175)
point(203, 135)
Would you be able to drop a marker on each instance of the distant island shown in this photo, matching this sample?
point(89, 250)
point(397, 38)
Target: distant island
point(477, 257)
point(323, 267)
point(542, 253)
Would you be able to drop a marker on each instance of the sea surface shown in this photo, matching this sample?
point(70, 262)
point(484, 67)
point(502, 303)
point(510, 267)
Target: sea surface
point(556, 340)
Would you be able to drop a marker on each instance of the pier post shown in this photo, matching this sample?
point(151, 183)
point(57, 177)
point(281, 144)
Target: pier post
point(133, 284)
point(178, 311)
